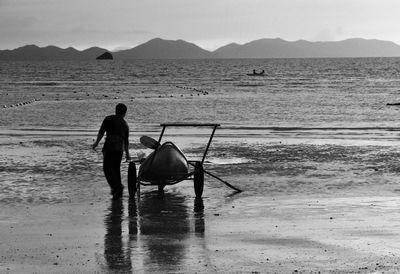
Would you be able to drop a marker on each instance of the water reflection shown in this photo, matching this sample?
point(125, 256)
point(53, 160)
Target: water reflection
point(117, 256)
point(165, 233)
point(199, 225)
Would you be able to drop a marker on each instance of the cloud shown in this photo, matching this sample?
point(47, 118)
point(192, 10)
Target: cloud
point(79, 38)
point(330, 34)
point(12, 24)
point(123, 22)
point(325, 35)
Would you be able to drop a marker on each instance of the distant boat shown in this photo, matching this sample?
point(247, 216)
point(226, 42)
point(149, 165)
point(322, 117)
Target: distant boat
point(255, 73)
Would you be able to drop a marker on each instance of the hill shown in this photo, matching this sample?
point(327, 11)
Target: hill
point(278, 48)
point(264, 48)
point(164, 49)
point(35, 53)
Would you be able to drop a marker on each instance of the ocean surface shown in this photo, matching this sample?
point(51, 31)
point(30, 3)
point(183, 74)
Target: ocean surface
point(307, 127)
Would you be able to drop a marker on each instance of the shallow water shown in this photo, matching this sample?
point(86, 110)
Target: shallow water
point(344, 93)
point(61, 168)
point(309, 127)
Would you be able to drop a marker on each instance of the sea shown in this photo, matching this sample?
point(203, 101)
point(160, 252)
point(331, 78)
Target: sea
point(310, 127)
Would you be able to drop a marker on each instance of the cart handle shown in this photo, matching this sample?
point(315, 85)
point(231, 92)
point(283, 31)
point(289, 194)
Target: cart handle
point(214, 126)
point(189, 125)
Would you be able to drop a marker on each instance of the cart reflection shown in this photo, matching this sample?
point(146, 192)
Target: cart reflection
point(162, 229)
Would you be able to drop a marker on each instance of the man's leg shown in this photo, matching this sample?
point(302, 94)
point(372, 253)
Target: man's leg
point(112, 171)
point(107, 160)
point(117, 175)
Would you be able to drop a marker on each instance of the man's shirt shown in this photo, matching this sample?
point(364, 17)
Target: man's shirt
point(117, 133)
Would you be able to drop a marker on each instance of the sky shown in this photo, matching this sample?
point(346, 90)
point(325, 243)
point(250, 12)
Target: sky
point(119, 24)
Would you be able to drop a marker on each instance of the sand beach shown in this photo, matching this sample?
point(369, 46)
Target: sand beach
point(240, 235)
point(280, 223)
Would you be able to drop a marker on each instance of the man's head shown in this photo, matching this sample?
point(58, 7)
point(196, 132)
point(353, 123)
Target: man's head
point(121, 109)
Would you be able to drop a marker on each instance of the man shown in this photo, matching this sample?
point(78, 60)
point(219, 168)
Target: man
point(117, 141)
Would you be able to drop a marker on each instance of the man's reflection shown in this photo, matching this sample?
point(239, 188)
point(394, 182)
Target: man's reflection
point(116, 256)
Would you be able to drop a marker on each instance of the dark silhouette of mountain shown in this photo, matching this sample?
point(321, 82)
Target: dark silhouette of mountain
point(179, 49)
point(164, 49)
point(35, 53)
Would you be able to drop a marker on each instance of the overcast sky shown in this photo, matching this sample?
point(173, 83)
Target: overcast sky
point(208, 23)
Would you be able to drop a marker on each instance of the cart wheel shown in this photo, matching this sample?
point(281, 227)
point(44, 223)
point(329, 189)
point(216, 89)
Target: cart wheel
point(132, 179)
point(198, 179)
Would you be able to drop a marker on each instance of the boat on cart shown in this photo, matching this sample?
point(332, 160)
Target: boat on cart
point(167, 164)
point(164, 165)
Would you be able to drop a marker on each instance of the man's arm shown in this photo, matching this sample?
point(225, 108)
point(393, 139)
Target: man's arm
point(126, 146)
point(96, 143)
point(127, 155)
point(101, 133)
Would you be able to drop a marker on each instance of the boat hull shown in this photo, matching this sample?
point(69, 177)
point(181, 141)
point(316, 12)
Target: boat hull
point(165, 165)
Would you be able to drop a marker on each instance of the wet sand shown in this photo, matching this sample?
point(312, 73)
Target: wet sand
point(177, 234)
point(305, 209)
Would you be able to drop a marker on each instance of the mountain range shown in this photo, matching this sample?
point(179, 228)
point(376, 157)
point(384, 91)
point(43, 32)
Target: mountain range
point(168, 49)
